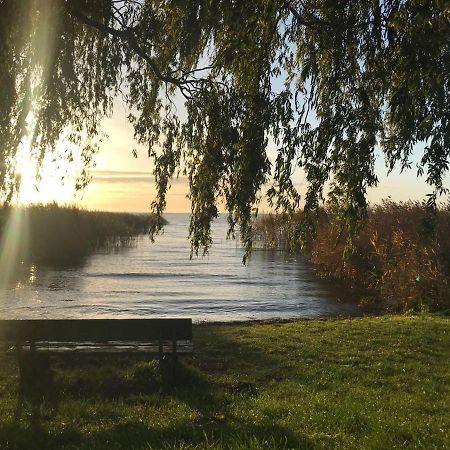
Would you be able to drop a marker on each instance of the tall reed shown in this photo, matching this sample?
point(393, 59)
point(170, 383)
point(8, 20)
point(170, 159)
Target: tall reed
point(54, 234)
point(393, 260)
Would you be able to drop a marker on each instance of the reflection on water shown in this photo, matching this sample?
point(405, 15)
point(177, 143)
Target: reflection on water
point(160, 280)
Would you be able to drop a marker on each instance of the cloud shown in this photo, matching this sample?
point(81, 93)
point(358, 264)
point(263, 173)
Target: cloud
point(128, 177)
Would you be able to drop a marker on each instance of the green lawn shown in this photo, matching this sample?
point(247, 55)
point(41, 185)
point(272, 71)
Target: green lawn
point(376, 383)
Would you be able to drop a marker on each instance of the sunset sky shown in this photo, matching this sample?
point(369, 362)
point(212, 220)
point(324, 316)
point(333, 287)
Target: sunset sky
point(121, 182)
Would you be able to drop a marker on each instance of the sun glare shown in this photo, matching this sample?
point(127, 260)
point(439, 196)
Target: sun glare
point(51, 181)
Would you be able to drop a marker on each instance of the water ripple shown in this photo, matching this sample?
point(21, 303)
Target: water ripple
point(160, 280)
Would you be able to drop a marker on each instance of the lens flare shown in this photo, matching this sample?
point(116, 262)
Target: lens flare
point(14, 245)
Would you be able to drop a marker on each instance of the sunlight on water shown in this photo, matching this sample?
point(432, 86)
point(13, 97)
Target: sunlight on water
point(159, 280)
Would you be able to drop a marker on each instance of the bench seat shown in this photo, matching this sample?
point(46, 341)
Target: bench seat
point(160, 337)
point(95, 330)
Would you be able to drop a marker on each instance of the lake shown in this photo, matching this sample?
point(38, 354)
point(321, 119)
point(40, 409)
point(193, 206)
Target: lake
point(160, 280)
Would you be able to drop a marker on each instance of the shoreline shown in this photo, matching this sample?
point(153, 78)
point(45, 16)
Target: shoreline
point(294, 319)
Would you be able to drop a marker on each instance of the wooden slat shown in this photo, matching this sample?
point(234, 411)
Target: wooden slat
point(95, 330)
point(117, 347)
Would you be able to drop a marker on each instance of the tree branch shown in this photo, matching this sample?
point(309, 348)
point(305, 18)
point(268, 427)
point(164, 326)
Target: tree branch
point(129, 36)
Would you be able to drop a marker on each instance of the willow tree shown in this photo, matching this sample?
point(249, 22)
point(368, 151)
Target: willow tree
point(329, 82)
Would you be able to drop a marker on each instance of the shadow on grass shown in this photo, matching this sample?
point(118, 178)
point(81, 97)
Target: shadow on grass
point(36, 387)
point(137, 435)
point(222, 355)
point(130, 379)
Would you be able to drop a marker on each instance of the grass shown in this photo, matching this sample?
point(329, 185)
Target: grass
point(368, 383)
point(64, 235)
point(396, 260)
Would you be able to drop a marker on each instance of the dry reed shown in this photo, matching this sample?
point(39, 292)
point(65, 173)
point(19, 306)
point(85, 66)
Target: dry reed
point(393, 259)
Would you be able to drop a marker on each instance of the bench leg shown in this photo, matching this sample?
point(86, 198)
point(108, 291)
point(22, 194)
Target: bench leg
point(160, 352)
point(174, 360)
point(36, 368)
point(168, 365)
point(18, 347)
point(19, 406)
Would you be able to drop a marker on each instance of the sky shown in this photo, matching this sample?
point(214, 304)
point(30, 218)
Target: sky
point(121, 182)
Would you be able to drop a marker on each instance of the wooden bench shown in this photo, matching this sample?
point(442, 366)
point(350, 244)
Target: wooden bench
point(159, 337)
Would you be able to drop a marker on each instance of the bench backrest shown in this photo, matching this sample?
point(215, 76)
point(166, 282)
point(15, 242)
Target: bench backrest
point(95, 330)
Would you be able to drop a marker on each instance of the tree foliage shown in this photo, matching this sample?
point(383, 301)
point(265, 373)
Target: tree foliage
point(328, 81)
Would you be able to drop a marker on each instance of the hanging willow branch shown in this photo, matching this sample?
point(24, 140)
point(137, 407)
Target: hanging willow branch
point(330, 83)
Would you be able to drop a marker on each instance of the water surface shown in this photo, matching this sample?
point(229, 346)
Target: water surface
point(159, 280)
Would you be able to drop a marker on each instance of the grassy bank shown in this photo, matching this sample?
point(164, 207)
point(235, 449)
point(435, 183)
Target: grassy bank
point(370, 383)
point(395, 260)
point(53, 234)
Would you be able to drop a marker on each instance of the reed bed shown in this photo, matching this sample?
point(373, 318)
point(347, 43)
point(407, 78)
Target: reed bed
point(395, 261)
point(55, 235)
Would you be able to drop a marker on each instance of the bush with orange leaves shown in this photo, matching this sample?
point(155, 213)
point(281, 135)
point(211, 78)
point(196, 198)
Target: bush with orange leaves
point(395, 259)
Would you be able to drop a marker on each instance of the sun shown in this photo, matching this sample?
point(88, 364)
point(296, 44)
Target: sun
point(51, 180)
